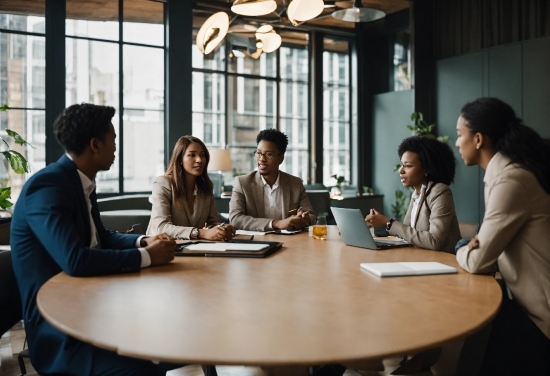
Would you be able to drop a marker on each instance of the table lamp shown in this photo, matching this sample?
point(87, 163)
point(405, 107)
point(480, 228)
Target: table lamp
point(220, 160)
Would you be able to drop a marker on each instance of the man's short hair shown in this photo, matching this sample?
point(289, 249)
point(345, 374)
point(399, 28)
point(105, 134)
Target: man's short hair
point(79, 123)
point(273, 135)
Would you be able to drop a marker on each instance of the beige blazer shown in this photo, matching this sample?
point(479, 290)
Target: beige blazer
point(515, 234)
point(436, 224)
point(177, 221)
point(246, 208)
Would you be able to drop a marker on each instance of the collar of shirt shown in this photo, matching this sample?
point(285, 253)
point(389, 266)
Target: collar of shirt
point(87, 184)
point(275, 185)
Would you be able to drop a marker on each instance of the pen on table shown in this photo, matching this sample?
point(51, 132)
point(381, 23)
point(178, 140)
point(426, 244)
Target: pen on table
point(221, 224)
point(292, 211)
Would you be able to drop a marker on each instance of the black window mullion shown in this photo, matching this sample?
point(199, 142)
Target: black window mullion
point(120, 98)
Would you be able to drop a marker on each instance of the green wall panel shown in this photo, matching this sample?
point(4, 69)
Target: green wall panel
point(505, 75)
point(458, 81)
point(536, 85)
point(391, 114)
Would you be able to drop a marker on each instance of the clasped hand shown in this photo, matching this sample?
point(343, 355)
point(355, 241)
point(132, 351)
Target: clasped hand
point(161, 248)
point(294, 222)
point(218, 233)
point(375, 219)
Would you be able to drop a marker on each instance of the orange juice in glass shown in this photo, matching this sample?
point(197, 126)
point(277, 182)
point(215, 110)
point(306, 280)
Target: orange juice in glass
point(320, 229)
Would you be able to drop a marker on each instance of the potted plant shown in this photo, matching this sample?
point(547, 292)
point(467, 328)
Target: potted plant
point(16, 160)
point(337, 189)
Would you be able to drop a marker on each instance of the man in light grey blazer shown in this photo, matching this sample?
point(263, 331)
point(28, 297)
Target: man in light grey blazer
point(269, 199)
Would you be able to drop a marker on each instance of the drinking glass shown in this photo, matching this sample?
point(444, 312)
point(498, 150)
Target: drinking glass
point(320, 228)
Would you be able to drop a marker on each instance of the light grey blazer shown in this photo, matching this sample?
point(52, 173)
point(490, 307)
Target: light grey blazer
point(246, 208)
point(436, 224)
point(176, 221)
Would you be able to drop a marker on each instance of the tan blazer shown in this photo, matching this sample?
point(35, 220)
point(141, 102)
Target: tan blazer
point(436, 223)
point(246, 208)
point(177, 221)
point(515, 234)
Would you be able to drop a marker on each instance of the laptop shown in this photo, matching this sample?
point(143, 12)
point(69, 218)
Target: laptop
point(355, 231)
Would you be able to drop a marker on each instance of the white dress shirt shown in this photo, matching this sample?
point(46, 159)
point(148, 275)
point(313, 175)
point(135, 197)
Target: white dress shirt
point(273, 201)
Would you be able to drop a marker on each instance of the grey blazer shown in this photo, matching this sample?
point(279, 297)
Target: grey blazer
point(176, 221)
point(246, 208)
point(436, 223)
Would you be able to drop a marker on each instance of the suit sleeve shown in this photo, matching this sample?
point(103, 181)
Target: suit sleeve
point(161, 212)
point(441, 206)
point(238, 214)
point(505, 214)
point(306, 205)
point(50, 213)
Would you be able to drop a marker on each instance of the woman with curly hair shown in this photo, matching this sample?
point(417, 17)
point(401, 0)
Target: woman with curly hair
point(428, 166)
point(515, 234)
point(183, 202)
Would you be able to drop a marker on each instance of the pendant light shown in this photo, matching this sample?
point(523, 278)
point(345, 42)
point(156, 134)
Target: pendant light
point(358, 13)
point(304, 10)
point(254, 7)
point(269, 39)
point(212, 32)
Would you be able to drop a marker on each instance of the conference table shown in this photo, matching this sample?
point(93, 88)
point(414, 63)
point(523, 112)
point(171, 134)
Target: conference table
point(308, 303)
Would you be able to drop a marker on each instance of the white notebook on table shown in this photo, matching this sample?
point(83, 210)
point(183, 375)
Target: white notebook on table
point(394, 269)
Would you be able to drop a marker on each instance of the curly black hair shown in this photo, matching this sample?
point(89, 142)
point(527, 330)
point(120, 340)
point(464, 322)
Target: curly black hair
point(273, 135)
point(436, 157)
point(79, 123)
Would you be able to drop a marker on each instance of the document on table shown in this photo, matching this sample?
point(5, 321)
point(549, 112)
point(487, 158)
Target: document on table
point(222, 247)
point(282, 232)
point(393, 269)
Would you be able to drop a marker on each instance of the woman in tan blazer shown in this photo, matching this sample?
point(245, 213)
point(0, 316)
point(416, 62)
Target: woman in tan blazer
point(183, 203)
point(428, 166)
point(515, 234)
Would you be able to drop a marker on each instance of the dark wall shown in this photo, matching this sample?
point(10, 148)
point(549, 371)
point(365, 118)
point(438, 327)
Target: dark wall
point(516, 73)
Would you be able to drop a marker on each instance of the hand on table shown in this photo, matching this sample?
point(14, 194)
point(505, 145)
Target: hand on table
point(217, 233)
point(375, 219)
point(294, 222)
point(161, 248)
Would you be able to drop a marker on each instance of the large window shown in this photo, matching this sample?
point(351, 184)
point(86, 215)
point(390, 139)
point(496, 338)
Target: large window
point(235, 96)
point(97, 55)
point(22, 87)
point(336, 111)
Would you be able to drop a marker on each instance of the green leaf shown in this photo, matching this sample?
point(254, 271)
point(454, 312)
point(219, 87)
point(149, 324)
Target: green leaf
point(4, 107)
point(5, 196)
point(18, 139)
point(443, 139)
point(17, 162)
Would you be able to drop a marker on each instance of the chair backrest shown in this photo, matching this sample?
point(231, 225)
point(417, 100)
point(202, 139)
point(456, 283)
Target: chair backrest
point(468, 230)
point(10, 301)
point(5, 231)
point(320, 201)
point(125, 202)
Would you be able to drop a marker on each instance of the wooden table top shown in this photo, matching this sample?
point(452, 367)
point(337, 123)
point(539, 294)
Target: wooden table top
point(309, 303)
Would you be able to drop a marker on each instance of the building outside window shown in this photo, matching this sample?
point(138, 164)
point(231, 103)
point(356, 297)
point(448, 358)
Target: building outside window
point(22, 87)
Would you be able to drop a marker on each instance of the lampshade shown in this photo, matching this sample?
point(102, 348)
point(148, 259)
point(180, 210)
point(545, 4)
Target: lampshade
point(304, 10)
point(254, 7)
point(212, 32)
point(220, 160)
point(358, 13)
point(269, 38)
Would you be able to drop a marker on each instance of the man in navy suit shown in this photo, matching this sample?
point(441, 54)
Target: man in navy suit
point(56, 227)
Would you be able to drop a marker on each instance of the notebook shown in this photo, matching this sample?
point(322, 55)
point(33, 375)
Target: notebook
point(231, 248)
point(393, 269)
point(355, 231)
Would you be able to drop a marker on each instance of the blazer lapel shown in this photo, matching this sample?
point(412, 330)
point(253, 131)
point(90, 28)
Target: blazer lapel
point(70, 168)
point(422, 201)
point(258, 192)
point(284, 186)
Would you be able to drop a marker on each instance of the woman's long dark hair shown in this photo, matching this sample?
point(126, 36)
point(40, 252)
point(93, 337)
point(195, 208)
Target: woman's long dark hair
point(176, 172)
point(523, 145)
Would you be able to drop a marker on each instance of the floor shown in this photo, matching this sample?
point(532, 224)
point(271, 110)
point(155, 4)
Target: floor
point(12, 343)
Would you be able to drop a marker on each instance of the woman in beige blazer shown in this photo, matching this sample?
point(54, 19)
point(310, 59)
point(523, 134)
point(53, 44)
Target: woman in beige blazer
point(183, 203)
point(515, 234)
point(428, 166)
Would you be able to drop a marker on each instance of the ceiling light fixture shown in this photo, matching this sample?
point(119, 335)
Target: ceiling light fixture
point(358, 13)
point(268, 38)
point(212, 32)
point(304, 10)
point(254, 7)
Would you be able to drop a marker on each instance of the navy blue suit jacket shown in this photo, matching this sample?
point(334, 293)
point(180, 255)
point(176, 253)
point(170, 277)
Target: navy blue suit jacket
point(50, 233)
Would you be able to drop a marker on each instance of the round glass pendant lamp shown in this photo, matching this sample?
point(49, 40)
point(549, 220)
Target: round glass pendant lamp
point(212, 32)
point(253, 7)
point(304, 10)
point(269, 38)
point(358, 13)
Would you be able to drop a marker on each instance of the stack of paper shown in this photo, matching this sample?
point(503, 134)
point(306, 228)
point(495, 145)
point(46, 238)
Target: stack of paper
point(391, 269)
